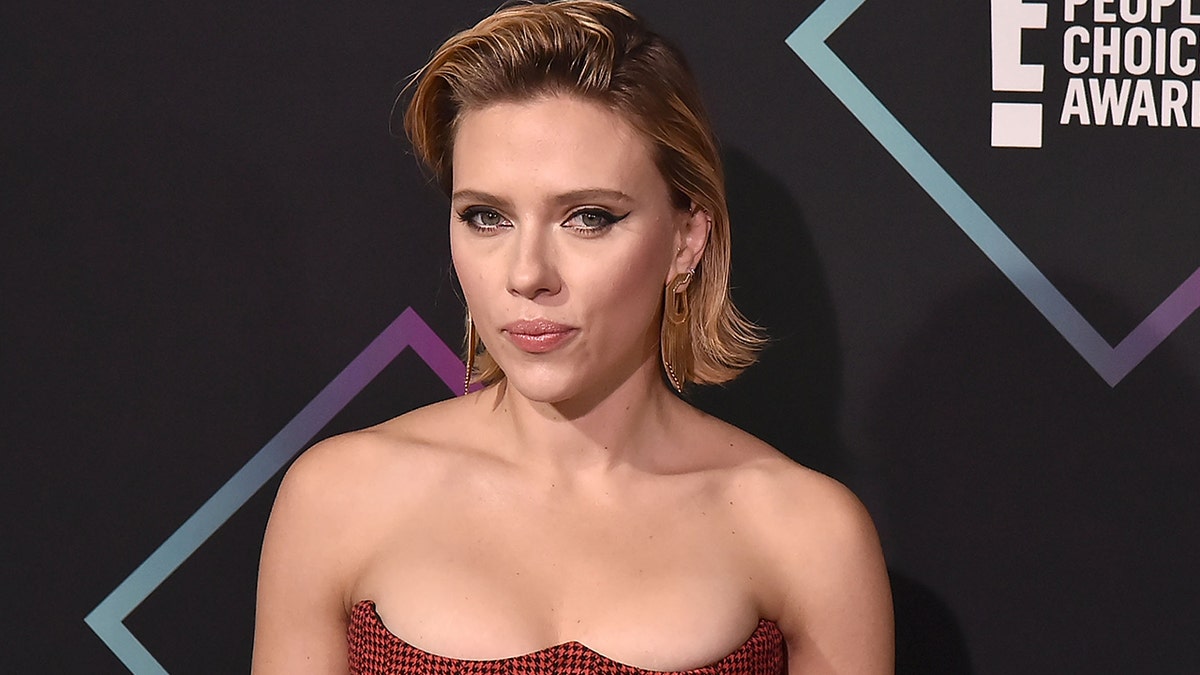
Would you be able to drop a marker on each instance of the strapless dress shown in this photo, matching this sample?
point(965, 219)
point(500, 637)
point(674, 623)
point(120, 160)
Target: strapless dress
point(374, 650)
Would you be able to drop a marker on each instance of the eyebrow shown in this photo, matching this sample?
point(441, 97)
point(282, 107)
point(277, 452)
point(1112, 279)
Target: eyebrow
point(564, 199)
point(479, 197)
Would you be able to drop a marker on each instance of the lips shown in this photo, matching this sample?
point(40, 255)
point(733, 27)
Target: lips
point(538, 336)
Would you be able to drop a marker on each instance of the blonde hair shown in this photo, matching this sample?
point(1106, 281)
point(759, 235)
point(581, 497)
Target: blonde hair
point(601, 52)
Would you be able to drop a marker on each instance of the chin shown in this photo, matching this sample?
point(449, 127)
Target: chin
point(542, 384)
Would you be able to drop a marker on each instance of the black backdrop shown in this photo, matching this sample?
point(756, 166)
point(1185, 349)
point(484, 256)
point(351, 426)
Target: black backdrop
point(205, 220)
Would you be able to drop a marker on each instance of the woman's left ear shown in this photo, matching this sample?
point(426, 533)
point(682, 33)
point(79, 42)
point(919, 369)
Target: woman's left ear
point(693, 237)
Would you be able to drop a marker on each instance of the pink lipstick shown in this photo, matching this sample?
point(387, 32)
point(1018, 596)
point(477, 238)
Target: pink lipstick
point(538, 336)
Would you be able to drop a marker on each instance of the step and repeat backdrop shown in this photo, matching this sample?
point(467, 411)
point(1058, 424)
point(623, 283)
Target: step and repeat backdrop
point(970, 227)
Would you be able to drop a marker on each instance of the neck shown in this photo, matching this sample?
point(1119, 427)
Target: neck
point(619, 426)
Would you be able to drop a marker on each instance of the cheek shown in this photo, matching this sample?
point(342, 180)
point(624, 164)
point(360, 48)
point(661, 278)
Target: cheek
point(636, 281)
point(457, 255)
point(469, 269)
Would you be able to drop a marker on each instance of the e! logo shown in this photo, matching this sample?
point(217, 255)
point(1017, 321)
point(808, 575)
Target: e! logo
point(1015, 125)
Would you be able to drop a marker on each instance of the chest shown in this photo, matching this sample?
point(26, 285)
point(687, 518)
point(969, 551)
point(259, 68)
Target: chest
point(490, 573)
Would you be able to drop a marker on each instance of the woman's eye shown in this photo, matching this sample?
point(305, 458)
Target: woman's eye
point(593, 221)
point(490, 219)
point(483, 219)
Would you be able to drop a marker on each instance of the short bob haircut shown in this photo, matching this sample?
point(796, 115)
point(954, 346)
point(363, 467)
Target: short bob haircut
point(600, 52)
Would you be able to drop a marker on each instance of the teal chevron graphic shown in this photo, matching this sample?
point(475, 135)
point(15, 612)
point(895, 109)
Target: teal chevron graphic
point(407, 330)
point(1112, 363)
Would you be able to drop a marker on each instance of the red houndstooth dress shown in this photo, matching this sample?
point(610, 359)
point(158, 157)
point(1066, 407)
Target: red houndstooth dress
point(376, 651)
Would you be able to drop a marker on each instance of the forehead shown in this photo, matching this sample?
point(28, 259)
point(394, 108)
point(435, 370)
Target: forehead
point(556, 142)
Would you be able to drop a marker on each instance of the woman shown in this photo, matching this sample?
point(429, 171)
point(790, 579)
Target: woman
point(575, 514)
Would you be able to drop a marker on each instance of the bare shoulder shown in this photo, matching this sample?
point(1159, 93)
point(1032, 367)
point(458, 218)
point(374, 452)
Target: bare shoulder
point(831, 590)
point(332, 506)
point(784, 488)
point(340, 494)
point(822, 572)
point(346, 473)
point(822, 514)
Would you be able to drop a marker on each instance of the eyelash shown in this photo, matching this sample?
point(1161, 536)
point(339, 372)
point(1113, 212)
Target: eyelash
point(607, 220)
point(469, 217)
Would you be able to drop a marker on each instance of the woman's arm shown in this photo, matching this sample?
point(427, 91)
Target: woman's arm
point(836, 602)
point(300, 623)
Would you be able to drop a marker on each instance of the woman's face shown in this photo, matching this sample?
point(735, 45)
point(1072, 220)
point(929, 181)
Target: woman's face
point(564, 235)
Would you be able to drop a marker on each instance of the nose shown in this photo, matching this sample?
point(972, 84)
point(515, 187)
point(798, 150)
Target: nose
point(533, 271)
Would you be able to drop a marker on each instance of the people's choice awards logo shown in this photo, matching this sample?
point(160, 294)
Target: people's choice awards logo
point(1129, 63)
point(1124, 62)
